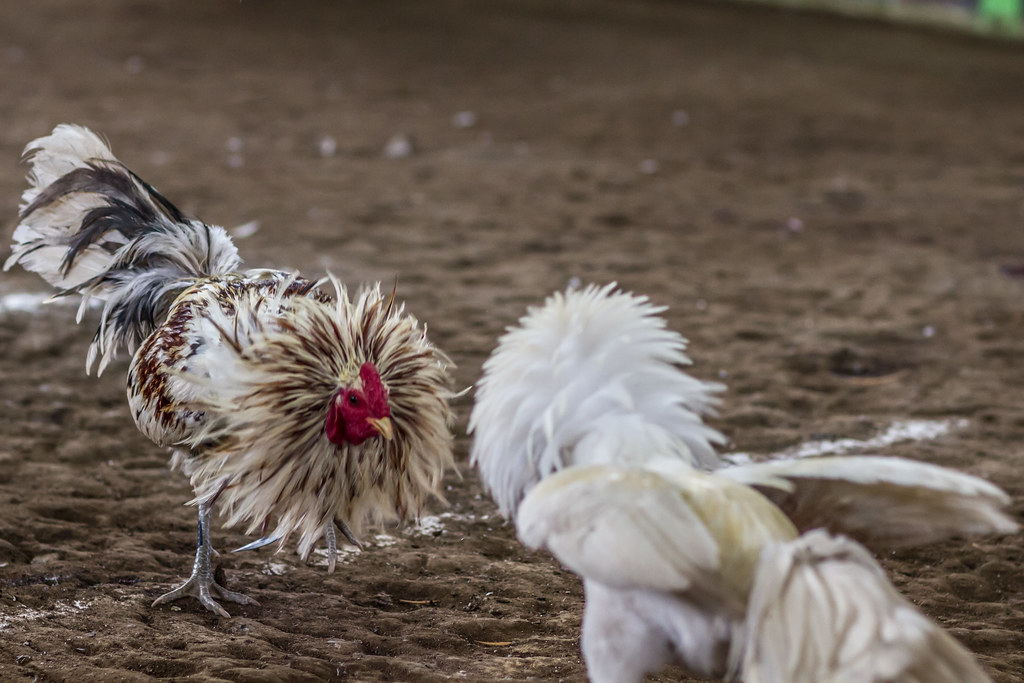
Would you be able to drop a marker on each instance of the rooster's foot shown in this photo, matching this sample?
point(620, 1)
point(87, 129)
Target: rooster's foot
point(201, 585)
point(205, 589)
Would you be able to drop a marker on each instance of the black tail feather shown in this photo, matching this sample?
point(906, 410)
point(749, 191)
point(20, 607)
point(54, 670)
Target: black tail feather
point(89, 225)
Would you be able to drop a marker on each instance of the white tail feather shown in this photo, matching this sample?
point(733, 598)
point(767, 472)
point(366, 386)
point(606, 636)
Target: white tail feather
point(882, 501)
point(823, 610)
point(596, 359)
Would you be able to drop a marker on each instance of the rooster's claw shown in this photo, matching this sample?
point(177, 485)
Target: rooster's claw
point(204, 590)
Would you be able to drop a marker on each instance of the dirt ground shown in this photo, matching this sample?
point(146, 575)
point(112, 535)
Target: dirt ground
point(834, 212)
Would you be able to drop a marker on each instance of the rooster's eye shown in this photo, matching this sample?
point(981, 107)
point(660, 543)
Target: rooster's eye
point(353, 399)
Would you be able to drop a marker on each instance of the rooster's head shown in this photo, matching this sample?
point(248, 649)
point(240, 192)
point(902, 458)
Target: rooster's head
point(360, 410)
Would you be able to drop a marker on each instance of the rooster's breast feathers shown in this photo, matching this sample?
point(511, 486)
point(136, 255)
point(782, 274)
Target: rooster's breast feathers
point(241, 375)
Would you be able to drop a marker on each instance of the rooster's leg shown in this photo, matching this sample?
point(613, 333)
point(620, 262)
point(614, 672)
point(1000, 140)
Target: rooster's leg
point(201, 585)
point(332, 548)
point(332, 543)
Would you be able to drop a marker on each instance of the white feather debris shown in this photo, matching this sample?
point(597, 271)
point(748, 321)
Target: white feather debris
point(60, 608)
point(274, 569)
point(245, 230)
point(327, 146)
point(134, 65)
point(22, 302)
point(649, 166)
point(398, 147)
point(434, 525)
point(464, 119)
point(345, 554)
point(430, 525)
point(898, 432)
point(384, 541)
point(235, 145)
point(31, 302)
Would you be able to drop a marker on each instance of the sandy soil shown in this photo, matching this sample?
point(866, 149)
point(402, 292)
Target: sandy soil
point(834, 212)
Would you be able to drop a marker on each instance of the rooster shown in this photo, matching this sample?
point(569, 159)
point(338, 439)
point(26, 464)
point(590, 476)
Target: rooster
point(589, 435)
point(290, 410)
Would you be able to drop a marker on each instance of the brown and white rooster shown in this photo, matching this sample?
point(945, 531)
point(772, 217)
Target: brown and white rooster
point(292, 410)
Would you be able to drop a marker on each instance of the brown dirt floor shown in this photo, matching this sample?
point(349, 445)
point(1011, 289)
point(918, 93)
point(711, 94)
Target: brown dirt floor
point(833, 210)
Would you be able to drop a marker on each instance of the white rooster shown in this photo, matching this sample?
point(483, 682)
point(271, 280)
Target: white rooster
point(589, 434)
point(291, 410)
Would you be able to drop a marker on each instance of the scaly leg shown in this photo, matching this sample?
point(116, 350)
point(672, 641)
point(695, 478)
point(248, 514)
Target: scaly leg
point(201, 585)
point(330, 534)
point(332, 548)
point(332, 543)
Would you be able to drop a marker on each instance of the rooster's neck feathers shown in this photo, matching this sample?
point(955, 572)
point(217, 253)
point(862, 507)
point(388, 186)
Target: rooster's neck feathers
point(595, 357)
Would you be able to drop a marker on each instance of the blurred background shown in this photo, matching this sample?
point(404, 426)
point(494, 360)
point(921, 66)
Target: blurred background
point(831, 206)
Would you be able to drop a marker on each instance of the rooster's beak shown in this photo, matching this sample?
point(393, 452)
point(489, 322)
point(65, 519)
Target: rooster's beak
point(382, 425)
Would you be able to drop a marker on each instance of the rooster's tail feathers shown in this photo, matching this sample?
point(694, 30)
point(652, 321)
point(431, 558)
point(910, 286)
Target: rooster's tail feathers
point(88, 225)
point(822, 608)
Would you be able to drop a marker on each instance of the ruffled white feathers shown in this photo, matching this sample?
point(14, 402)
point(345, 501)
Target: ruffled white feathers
point(663, 526)
point(680, 565)
point(577, 378)
point(585, 418)
point(822, 609)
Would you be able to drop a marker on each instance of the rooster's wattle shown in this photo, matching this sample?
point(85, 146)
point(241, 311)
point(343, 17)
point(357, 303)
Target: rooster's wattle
point(291, 409)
